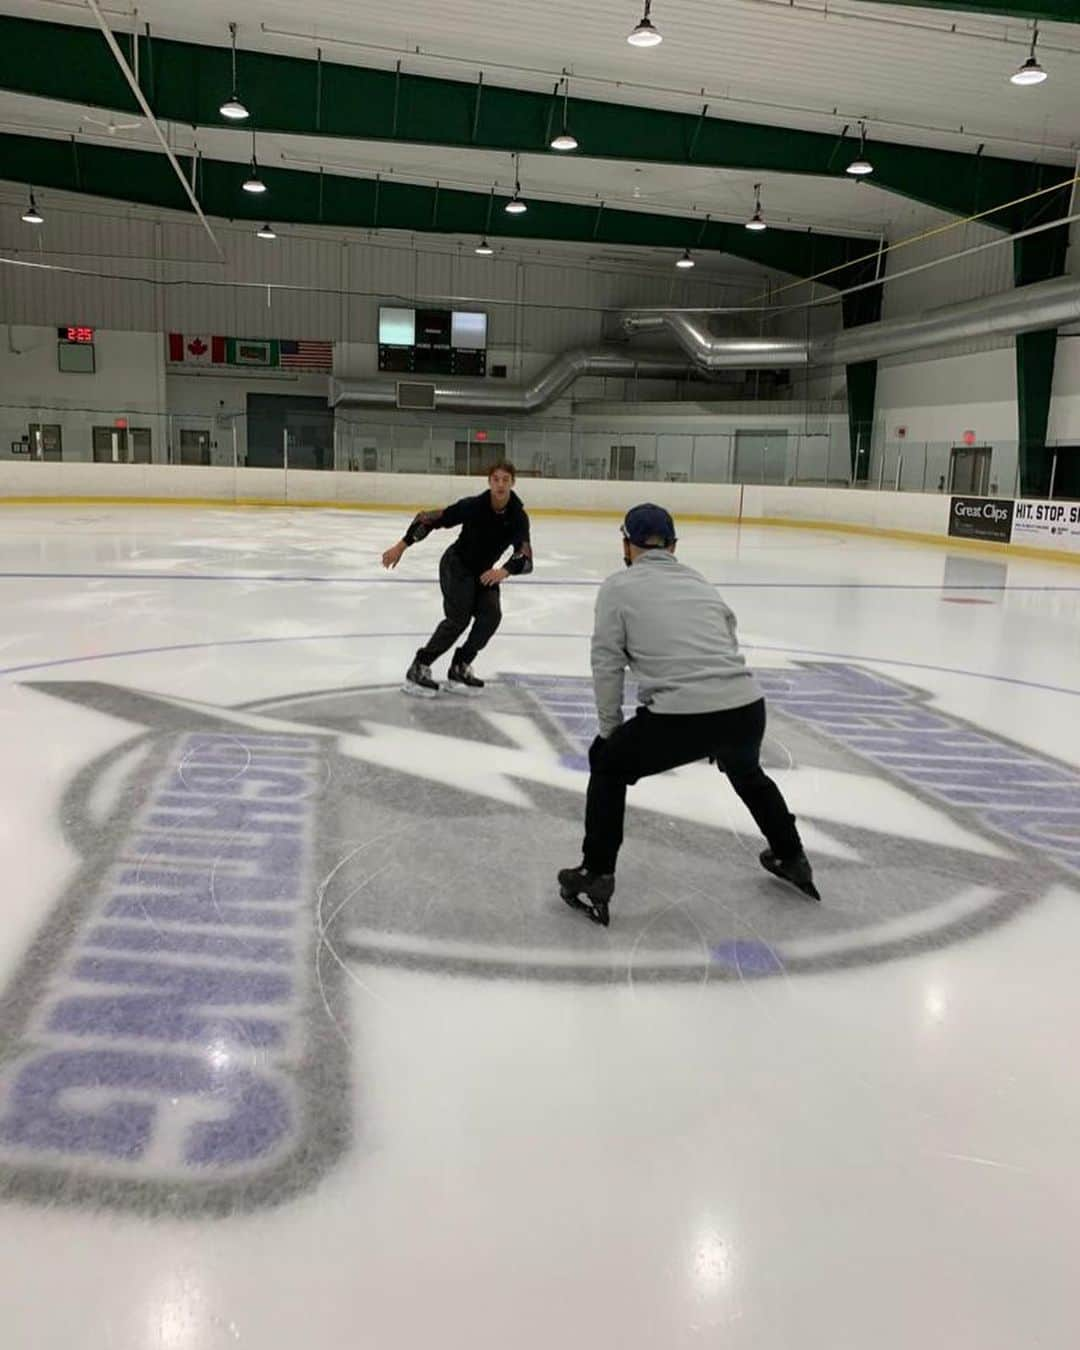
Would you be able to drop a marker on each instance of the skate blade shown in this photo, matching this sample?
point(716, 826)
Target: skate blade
point(598, 913)
point(418, 691)
point(809, 891)
point(462, 690)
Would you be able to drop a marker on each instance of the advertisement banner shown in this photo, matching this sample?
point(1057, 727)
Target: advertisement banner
point(981, 518)
point(1047, 524)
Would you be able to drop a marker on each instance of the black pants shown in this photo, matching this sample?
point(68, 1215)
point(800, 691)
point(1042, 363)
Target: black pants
point(465, 601)
point(652, 742)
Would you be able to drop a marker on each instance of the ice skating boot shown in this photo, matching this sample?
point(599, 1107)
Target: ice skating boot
point(794, 870)
point(461, 678)
point(418, 681)
point(597, 889)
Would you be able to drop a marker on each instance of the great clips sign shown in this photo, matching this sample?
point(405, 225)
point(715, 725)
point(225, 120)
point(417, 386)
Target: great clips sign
point(981, 518)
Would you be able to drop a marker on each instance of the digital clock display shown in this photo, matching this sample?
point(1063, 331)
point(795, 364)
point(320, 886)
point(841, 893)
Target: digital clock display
point(75, 334)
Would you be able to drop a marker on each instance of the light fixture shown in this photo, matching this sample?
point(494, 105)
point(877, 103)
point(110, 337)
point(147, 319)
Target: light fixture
point(1030, 72)
point(685, 260)
point(32, 215)
point(515, 206)
point(253, 183)
point(645, 34)
point(267, 232)
point(232, 108)
point(565, 140)
point(860, 166)
point(757, 220)
point(484, 249)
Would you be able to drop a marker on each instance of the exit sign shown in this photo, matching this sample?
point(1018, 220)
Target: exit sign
point(74, 333)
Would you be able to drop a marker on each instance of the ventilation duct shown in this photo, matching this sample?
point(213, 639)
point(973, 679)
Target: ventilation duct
point(1025, 309)
point(550, 384)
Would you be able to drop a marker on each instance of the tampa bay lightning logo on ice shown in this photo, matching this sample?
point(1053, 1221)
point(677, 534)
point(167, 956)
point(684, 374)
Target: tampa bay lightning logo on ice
point(178, 1036)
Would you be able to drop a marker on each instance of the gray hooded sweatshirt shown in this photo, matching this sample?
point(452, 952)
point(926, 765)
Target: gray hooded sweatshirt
point(669, 626)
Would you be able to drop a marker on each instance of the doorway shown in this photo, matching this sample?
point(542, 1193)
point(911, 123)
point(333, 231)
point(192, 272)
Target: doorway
point(969, 470)
point(194, 446)
point(477, 457)
point(121, 445)
point(623, 462)
point(308, 423)
point(760, 457)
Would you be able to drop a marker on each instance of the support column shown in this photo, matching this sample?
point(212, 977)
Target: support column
point(858, 308)
point(1039, 257)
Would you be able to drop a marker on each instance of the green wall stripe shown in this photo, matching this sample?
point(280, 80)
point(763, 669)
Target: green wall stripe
point(303, 198)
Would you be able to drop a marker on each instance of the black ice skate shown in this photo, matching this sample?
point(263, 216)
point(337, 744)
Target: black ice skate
point(461, 678)
point(418, 681)
point(795, 870)
point(596, 887)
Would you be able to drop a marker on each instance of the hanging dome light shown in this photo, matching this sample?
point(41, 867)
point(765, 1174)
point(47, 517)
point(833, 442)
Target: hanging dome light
point(860, 166)
point(565, 139)
point(484, 249)
point(253, 183)
point(685, 260)
point(645, 34)
point(32, 215)
point(232, 108)
point(757, 220)
point(267, 232)
point(515, 206)
point(1030, 72)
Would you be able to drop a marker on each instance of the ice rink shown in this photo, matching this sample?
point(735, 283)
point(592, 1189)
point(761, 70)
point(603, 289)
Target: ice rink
point(301, 1048)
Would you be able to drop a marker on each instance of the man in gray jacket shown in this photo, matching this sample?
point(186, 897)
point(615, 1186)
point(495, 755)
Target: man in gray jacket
point(698, 701)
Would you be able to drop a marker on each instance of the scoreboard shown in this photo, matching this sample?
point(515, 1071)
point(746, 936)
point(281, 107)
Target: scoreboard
point(432, 341)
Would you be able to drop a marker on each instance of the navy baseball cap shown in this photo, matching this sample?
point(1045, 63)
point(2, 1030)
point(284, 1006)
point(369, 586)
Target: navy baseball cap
point(647, 522)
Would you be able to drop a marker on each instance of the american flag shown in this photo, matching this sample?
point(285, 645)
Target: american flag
point(307, 355)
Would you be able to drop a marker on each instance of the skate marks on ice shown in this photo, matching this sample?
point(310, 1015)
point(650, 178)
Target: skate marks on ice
point(904, 865)
point(178, 1035)
point(461, 811)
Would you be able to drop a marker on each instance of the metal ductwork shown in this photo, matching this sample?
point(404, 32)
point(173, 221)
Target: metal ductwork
point(550, 384)
point(1026, 309)
point(691, 330)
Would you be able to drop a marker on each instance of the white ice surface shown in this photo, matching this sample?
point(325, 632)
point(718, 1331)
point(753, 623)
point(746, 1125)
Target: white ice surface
point(883, 1157)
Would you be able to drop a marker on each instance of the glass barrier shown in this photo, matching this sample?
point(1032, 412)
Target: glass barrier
point(313, 438)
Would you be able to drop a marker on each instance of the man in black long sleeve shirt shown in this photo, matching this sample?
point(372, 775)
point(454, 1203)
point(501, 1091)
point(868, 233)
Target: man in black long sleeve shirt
point(491, 523)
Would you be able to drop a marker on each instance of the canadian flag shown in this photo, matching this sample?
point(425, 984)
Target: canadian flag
point(194, 350)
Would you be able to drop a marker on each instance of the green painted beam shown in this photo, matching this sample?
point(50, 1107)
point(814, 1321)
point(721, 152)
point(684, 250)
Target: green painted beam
point(857, 308)
point(1052, 11)
point(1039, 257)
point(861, 392)
point(301, 198)
point(1035, 355)
point(186, 83)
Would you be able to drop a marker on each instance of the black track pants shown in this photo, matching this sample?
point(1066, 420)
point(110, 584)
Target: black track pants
point(465, 601)
point(653, 742)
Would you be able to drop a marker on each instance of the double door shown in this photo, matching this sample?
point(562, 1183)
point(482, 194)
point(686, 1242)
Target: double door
point(121, 445)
